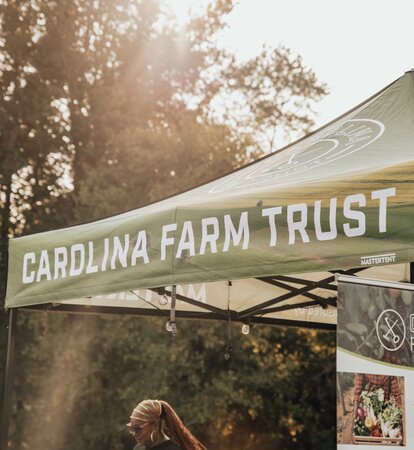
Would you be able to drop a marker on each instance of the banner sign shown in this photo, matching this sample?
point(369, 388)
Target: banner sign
point(339, 198)
point(375, 364)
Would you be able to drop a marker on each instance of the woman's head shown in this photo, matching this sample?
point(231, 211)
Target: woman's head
point(145, 422)
point(152, 418)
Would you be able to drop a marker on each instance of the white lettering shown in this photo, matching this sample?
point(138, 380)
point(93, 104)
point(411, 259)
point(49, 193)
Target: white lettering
point(105, 255)
point(207, 238)
point(44, 267)
point(236, 236)
point(271, 213)
point(165, 240)
point(300, 225)
point(359, 216)
point(61, 261)
point(378, 259)
point(201, 296)
point(90, 268)
point(80, 250)
point(140, 249)
point(28, 277)
point(382, 195)
point(332, 233)
point(120, 252)
point(187, 241)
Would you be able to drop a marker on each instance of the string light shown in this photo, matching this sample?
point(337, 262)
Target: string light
point(228, 351)
point(229, 347)
point(245, 328)
point(162, 299)
point(170, 326)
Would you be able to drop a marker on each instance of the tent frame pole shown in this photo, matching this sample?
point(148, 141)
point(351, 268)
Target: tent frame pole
point(8, 380)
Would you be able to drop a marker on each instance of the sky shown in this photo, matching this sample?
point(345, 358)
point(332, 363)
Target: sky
point(356, 46)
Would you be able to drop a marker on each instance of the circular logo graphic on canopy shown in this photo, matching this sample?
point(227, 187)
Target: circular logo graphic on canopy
point(391, 330)
point(299, 161)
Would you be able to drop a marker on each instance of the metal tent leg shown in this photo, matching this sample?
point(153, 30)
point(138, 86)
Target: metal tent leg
point(412, 272)
point(8, 380)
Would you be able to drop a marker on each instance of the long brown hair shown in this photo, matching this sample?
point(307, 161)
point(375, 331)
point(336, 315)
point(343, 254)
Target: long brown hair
point(161, 414)
point(177, 431)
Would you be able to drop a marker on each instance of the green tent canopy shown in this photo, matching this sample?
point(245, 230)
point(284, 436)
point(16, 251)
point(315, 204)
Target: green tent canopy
point(260, 244)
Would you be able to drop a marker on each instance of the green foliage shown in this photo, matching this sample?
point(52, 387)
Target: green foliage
point(271, 391)
point(269, 96)
point(95, 119)
point(187, 154)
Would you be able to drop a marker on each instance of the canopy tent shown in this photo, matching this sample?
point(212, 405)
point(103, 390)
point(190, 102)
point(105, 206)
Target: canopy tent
point(340, 199)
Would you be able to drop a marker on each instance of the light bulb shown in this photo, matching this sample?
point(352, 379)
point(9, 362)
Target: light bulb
point(228, 351)
point(168, 327)
point(245, 328)
point(162, 300)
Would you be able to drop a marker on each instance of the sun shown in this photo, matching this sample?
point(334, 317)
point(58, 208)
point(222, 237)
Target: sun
point(180, 9)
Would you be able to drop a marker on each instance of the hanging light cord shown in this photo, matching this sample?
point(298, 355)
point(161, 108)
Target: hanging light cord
point(229, 347)
point(171, 326)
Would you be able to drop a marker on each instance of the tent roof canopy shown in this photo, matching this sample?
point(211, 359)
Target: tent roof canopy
point(340, 198)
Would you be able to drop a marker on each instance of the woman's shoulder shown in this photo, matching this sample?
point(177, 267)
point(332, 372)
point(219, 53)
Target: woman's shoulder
point(167, 445)
point(138, 447)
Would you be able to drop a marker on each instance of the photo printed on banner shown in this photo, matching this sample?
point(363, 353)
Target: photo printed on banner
point(370, 409)
point(375, 364)
point(377, 323)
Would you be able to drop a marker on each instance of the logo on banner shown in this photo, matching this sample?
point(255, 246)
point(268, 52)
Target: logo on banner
point(301, 160)
point(391, 330)
point(386, 258)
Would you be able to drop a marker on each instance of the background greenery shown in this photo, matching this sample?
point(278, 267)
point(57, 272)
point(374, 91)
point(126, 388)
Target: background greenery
point(108, 105)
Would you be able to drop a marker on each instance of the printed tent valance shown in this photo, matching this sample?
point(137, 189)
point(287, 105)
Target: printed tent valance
point(340, 198)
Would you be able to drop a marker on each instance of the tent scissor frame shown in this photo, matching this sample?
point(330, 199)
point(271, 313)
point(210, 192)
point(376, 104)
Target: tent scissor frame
point(26, 294)
point(255, 316)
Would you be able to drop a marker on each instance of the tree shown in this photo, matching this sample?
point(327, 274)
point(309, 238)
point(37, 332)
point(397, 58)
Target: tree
point(107, 106)
point(269, 96)
point(145, 165)
point(272, 391)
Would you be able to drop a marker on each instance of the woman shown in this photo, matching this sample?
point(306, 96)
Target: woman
point(156, 426)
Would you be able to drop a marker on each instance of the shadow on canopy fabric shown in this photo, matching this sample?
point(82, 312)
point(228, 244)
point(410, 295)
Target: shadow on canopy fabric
point(338, 200)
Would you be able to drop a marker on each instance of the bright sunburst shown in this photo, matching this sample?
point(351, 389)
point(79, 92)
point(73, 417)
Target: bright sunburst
point(180, 9)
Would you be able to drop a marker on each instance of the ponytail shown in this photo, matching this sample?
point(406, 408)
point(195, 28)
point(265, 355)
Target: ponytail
point(177, 431)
